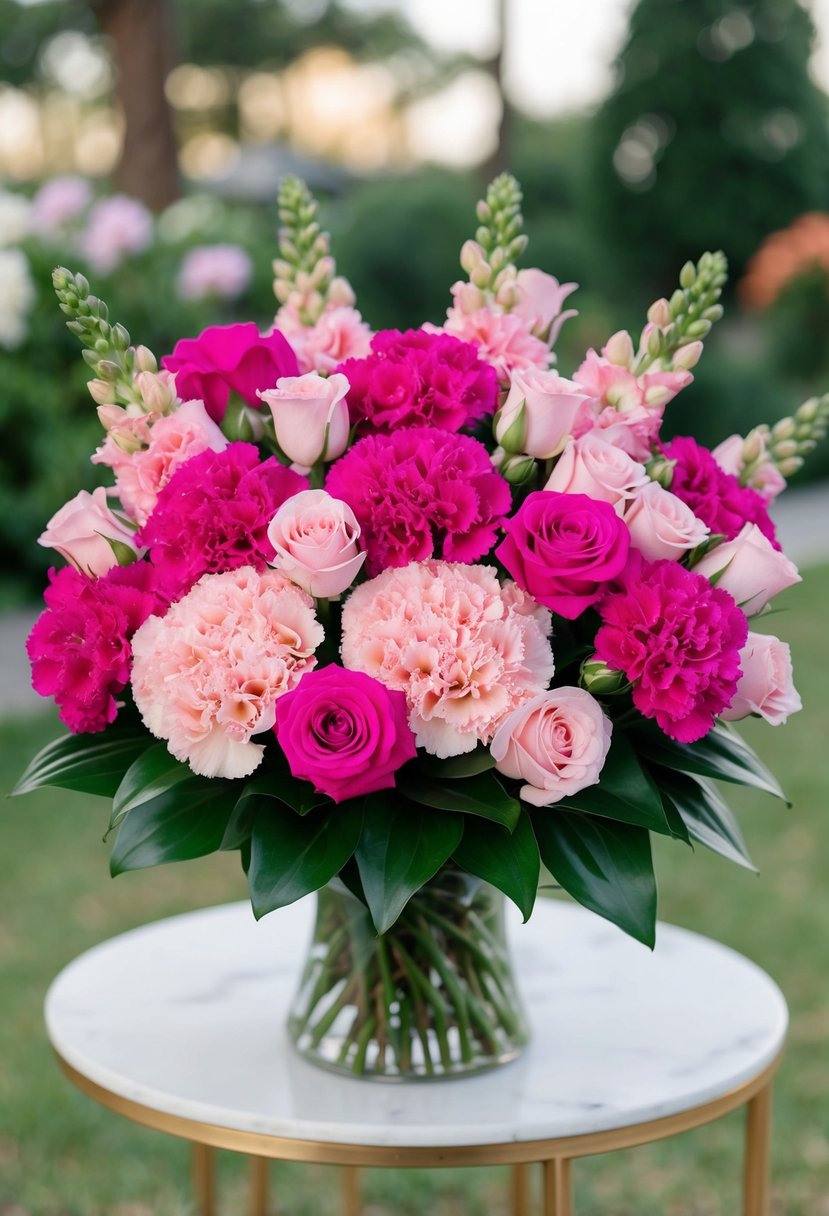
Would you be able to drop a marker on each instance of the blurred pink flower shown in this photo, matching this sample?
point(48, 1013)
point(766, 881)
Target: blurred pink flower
point(57, 203)
point(117, 227)
point(222, 271)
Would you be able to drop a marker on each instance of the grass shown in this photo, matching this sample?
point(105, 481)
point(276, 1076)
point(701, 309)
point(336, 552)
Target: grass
point(61, 1155)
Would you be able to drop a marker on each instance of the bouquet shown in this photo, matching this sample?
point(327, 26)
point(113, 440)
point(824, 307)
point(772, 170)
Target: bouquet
point(404, 616)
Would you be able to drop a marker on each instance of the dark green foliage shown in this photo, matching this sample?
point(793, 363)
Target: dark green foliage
point(718, 133)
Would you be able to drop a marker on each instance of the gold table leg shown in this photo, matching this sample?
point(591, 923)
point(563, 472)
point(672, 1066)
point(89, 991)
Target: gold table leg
point(204, 1179)
point(520, 1190)
point(351, 1190)
point(757, 1177)
point(258, 1186)
point(558, 1187)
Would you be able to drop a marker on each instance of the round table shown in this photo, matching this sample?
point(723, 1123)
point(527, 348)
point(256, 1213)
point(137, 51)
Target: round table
point(179, 1025)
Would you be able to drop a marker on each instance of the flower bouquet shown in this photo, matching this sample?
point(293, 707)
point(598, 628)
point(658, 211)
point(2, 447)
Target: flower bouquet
point(402, 617)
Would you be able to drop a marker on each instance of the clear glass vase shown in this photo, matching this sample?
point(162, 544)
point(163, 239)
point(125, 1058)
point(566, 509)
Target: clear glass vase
point(434, 996)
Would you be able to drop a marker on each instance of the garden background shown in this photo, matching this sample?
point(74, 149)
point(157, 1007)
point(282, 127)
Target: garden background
point(642, 134)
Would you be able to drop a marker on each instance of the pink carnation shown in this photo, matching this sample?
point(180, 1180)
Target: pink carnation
point(213, 515)
point(677, 639)
point(79, 647)
point(206, 677)
point(419, 493)
point(167, 443)
point(117, 227)
point(715, 497)
point(339, 334)
point(465, 650)
point(416, 378)
point(504, 340)
point(220, 271)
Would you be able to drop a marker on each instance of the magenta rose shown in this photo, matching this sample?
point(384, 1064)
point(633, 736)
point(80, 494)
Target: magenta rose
point(344, 731)
point(229, 358)
point(565, 549)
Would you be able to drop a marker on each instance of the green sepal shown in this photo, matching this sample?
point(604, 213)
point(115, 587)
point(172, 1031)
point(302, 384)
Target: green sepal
point(721, 754)
point(481, 794)
point(707, 817)
point(188, 820)
point(292, 855)
point(510, 862)
point(92, 764)
point(606, 866)
point(401, 847)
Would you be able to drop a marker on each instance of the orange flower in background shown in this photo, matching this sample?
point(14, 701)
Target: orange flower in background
point(784, 256)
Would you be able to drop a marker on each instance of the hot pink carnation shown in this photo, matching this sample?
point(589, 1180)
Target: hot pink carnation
point(417, 378)
point(339, 334)
point(419, 493)
point(229, 358)
point(344, 732)
point(678, 640)
point(79, 647)
point(170, 441)
point(206, 677)
point(503, 340)
point(465, 650)
point(213, 515)
point(715, 497)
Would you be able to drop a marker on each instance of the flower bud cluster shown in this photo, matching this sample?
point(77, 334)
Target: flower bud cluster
point(489, 260)
point(672, 339)
point(305, 278)
point(791, 439)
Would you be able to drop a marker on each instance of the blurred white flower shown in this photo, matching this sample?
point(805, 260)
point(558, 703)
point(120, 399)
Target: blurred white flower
point(214, 270)
point(14, 217)
point(17, 296)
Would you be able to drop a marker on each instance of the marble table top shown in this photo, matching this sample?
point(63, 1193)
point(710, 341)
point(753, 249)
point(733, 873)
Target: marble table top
point(185, 1016)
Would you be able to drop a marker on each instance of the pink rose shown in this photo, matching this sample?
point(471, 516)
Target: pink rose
point(310, 416)
point(345, 732)
point(749, 568)
point(540, 413)
point(564, 549)
point(315, 540)
point(767, 479)
point(661, 525)
point(540, 302)
point(81, 531)
point(594, 467)
point(766, 686)
point(557, 743)
point(229, 358)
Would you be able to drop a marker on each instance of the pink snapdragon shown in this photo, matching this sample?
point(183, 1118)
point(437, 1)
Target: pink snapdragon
point(117, 228)
point(677, 639)
point(165, 444)
point(339, 334)
point(540, 302)
point(503, 340)
point(206, 677)
point(465, 650)
point(220, 271)
point(79, 647)
point(419, 493)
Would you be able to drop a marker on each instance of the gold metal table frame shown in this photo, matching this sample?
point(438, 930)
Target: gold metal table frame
point(555, 1156)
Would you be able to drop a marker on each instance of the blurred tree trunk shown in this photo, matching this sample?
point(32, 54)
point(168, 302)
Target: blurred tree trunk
point(499, 161)
point(141, 35)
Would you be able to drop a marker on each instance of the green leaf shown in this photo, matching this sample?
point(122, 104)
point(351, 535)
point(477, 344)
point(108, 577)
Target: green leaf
point(707, 816)
point(466, 765)
point(510, 862)
point(401, 847)
point(93, 764)
point(242, 818)
point(292, 855)
point(721, 754)
point(625, 791)
point(481, 795)
point(280, 783)
point(188, 820)
point(604, 865)
point(153, 773)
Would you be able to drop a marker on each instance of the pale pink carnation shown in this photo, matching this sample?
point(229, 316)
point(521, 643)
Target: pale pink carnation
point(464, 650)
point(504, 340)
point(166, 444)
point(206, 677)
point(117, 227)
point(221, 271)
point(339, 334)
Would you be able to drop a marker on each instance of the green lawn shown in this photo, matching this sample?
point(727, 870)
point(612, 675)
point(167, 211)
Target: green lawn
point(60, 1155)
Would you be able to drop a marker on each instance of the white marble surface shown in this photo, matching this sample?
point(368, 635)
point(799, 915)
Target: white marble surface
point(186, 1016)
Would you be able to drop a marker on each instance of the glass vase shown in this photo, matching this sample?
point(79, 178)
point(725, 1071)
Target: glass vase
point(434, 996)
